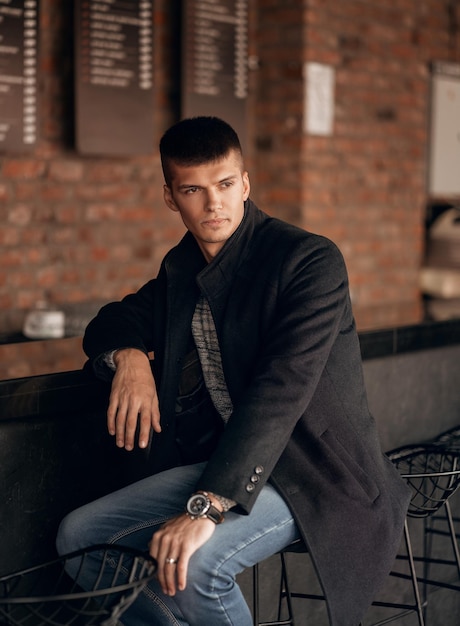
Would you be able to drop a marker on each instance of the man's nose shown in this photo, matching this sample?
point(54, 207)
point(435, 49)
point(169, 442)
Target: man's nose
point(213, 200)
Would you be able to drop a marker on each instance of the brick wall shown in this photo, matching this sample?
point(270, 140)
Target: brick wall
point(78, 229)
point(364, 186)
point(75, 228)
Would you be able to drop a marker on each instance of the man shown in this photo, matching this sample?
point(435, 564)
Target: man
point(254, 409)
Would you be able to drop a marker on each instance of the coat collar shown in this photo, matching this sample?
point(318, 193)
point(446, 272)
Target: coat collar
point(220, 273)
point(185, 263)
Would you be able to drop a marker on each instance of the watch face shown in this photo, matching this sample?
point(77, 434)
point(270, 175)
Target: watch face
point(198, 504)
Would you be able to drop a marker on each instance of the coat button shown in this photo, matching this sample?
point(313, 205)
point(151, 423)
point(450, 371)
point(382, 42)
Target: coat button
point(255, 478)
point(259, 469)
point(250, 487)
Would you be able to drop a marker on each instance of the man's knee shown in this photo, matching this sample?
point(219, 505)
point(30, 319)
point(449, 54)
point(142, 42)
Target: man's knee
point(67, 536)
point(77, 530)
point(206, 574)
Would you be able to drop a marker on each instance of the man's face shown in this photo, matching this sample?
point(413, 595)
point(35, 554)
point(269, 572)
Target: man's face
point(210, 199)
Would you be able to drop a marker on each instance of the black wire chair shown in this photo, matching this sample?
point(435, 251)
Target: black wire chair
point(443, 522)
point(433, 473)
point(45, 595)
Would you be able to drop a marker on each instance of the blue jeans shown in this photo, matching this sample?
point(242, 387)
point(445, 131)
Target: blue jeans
point(130, 516)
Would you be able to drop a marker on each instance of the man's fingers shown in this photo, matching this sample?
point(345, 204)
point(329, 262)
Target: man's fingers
point(112, 411)
point(170, 578)
point(129, 430)
point(144, 428)
point(132, 406)
point(173, 576)
point(111, 417)
point(166, 549)
point(173, 545)
point(155, 415)
point(181, 571)
point(168, 559)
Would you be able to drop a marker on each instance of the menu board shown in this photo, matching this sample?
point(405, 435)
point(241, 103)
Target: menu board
point(114, 77)
point(215, 60)
point(18, 75)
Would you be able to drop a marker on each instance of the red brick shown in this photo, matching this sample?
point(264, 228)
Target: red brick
point(119, 193)
point(9, 236)
point(99, 212)
point(4, 193)
point(109, 172)
point(136, 214)
point(20, 215)
point(66, 171)
point(99, 254)
point(10, 258)
point(54, 193)
point(23, 169)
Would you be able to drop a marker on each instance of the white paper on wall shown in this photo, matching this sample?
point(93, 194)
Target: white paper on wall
point(319, 82)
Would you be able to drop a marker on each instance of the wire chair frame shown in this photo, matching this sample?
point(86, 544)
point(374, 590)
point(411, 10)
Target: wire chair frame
point(45, 595)
point(448, 440)
point(433, 473)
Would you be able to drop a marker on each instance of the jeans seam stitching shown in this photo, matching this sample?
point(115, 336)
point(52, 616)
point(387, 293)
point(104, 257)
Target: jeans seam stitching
point(125, 532)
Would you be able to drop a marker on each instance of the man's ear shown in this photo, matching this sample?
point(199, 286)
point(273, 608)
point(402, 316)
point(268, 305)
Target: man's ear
point(168, 198)
point(246, 186)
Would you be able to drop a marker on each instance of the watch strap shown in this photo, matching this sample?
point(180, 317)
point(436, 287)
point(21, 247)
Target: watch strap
point(214, 515)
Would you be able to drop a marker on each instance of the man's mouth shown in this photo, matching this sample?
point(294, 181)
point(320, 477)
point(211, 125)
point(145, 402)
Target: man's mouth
point(215, 221)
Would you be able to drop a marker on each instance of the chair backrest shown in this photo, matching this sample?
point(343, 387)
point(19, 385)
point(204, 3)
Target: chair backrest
point(449, 439)
point(432, 472)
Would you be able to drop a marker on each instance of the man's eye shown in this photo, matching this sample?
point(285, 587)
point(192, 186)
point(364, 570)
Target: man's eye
point(191, 190)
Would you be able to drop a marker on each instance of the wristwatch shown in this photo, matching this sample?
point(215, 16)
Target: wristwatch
point(108, 360)
point(199, 505)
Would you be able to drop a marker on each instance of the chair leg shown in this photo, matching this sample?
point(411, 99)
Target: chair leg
point(413, 572)
point(255, 594)
point(285, 592)
point(417, 606)
point(427, 552)
point(453, 537)
point(429, 531)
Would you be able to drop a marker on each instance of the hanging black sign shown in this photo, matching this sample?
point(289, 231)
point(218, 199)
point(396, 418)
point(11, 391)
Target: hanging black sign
point(114, 84)
point(215, 63)
point(18, 75)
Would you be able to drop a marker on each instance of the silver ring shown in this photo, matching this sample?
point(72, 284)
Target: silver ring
point(171, 561)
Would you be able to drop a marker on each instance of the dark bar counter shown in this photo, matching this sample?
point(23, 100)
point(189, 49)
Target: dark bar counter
point(383, 331)
point(50, 389)
point(424, 335)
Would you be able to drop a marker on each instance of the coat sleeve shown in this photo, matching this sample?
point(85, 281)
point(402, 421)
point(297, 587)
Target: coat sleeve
point(124, 324)
point(310, 308)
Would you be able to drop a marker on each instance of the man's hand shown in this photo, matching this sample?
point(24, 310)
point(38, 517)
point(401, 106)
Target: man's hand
point(178, 539)
point(133, 397)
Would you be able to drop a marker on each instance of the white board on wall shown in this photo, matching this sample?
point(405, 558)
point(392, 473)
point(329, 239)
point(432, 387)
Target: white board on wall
point(444, 166)
point(319, 82)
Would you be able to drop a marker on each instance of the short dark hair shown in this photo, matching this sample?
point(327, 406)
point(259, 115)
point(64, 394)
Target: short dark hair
point(197, 140)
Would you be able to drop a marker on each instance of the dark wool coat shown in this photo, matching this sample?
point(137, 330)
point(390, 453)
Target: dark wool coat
point(290, 352)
